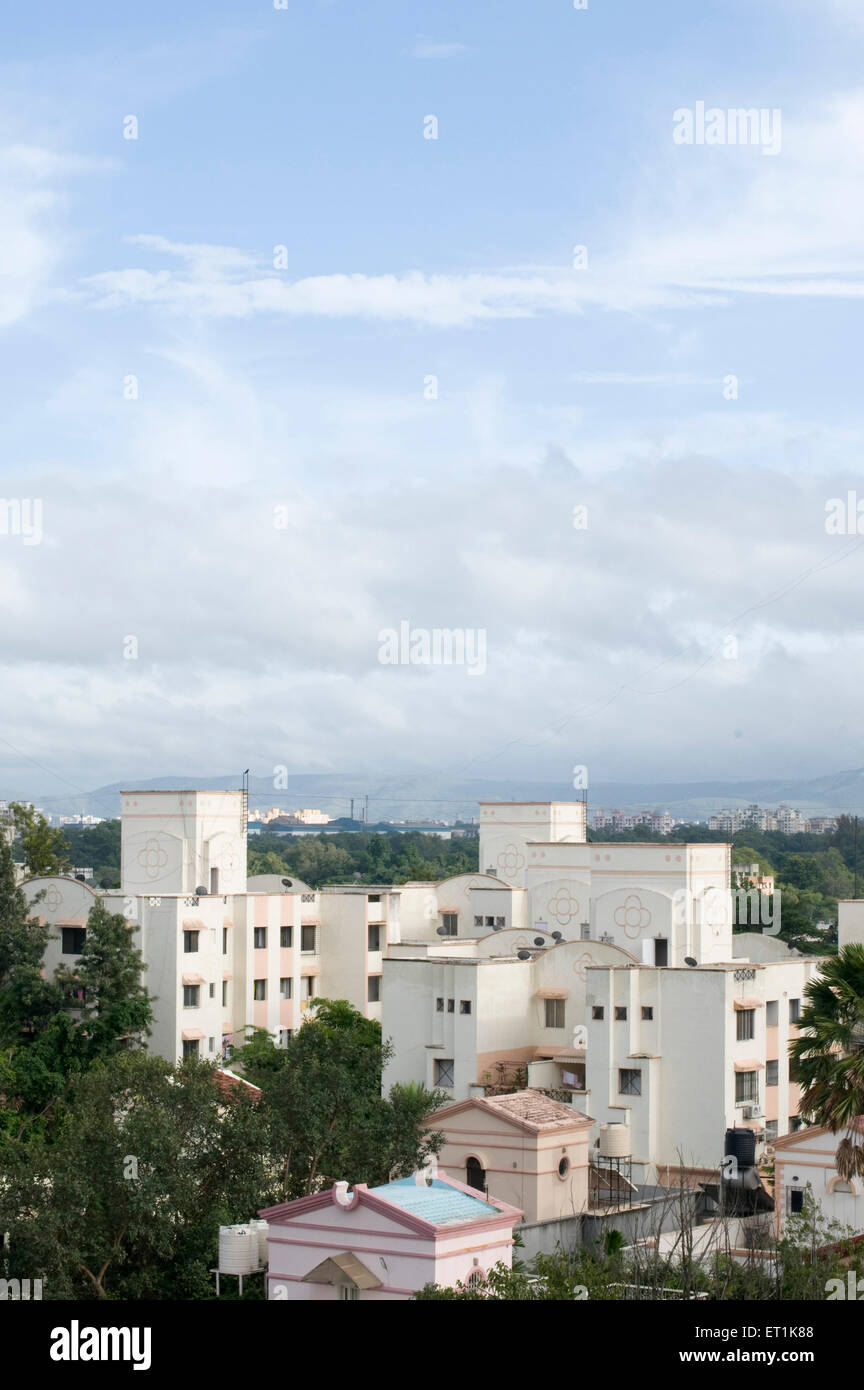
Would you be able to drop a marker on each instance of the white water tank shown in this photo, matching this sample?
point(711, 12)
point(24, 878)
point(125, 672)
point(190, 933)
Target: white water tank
point(614, 1141)
point(260, 1229)
point(238, 1250)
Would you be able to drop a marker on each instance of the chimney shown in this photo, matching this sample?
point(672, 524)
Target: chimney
point(341, 1191)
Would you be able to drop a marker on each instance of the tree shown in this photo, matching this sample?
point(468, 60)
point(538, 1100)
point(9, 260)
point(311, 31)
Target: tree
point(829, 1053)
point(150, 1160)
point(25, 997)
point(43, 848)
point(322, 1096)
point(106, 986)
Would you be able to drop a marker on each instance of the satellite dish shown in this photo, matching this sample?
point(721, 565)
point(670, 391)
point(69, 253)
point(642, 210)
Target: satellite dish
point(690, 960)
point(556, 936)
point(442, 931)
point(201, 892)
point(539, 941)
point(524, 955)
point(286, 883)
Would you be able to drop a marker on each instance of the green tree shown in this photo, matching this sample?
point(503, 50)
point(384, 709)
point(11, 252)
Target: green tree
point(43, 848)
point(829, 1053)
point(329, 1121)
point(26, 999)
point(105, 985)
point(150, 1160)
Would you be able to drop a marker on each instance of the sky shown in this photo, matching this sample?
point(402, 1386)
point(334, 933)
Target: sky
point(323, 320)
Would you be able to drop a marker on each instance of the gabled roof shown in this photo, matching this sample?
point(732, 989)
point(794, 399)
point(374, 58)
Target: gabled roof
point(529, 1111)
point(801, 1136)
point(341, 1269)
point(430, 1207)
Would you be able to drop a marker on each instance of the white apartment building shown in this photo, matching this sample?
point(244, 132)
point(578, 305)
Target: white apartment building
point(222, 954)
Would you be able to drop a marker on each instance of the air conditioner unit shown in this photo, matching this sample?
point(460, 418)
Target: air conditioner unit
point(755, 1112)
point(747, 1112)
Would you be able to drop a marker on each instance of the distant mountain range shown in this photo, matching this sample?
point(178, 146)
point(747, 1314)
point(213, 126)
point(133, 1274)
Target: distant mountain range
point(426, 797)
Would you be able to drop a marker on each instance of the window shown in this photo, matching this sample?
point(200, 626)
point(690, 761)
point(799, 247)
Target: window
point(285, 987)
point(795, 1123)
point(214, 888)
point(585, 931)
point(190, 941)
point(772, 1073)
point(478, 921)
point(260, 938)
point(444, 1071)
point(73, 940)
point(307, 939)
point(464, 1006)
point(439, 1006)
point(745, 1024)
point(224, 994)
point(746, 1086)
point(598, 1013)
point(211, 1044)
point(374, 938)
point(554, 1013)
point(259, 989)
point(190, 1047)
point(449, 923)
point(373, 992)
point(190, 996)
point(794, 1200)
point(224, 941)
point(770, 1130)
point(794, 1071)
point(348, 1293)
point(475, 1279)
point(475, 1175)
point(451, 1006)
point(212, 991)
point(647, 1013)
point(285, 938)
point(794, 1010)
point(771, 1014)
point(563, 1166)
point(620, 1013)
point(500, 921)
point(308, 986)
point(661, 951)
point(629, 1081)
point(285, 1036)
point(490, 921)
point(374, 897)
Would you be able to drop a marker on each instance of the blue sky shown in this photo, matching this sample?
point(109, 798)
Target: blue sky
point(302, 387)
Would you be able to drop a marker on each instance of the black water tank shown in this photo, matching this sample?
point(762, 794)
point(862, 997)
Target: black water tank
point(742, 1144)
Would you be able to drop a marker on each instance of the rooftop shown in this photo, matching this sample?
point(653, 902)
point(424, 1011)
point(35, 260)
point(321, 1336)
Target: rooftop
point(437, 1202)
point(537, 1111)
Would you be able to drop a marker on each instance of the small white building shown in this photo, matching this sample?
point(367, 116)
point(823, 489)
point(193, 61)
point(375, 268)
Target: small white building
point(809, 1157)
point(385, 1243)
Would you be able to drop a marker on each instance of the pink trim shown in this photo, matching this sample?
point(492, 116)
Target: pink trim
point(286, 1211)
point(298, 1279)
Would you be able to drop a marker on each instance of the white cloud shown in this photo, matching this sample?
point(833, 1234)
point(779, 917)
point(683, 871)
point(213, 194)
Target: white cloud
point(427, 48)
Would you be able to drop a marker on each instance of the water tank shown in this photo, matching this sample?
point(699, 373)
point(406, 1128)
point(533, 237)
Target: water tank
point(238, 1250)
point(614, 1141)
point(741, 1143)
point(260, 1229)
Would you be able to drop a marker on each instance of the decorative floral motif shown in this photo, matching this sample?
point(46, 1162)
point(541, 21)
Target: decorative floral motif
point(153, 858)
point(632, 915)
point(511, 860)
point(563, 907)
point(581, 964)
point(53, 898)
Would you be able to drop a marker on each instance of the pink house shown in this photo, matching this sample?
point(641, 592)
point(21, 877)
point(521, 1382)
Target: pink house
point(385, 1242)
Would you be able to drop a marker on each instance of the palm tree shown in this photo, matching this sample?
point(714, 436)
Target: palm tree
point(829, 1054)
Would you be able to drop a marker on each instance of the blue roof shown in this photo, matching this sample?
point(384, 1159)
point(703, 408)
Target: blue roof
point(438, 1202)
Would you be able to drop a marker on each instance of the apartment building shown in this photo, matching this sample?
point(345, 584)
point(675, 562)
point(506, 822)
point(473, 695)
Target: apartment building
point(222, 954)
point(679, 1055)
